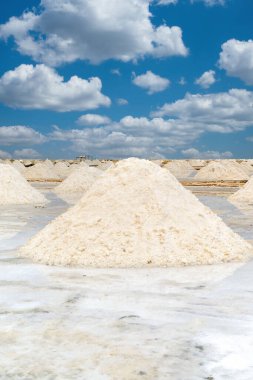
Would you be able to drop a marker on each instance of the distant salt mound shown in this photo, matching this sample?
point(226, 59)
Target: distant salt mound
point(48, 163)
point(217, 171)
point(197, 163)
point(137, 215)
point(180, 169)
point(41, 171)
point(79, 181)
point(61, 169)
point(104, 165)
point(14, 189)
point(244, 195)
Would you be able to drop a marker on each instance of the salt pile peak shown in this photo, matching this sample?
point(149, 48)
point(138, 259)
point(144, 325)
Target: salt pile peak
point(137, 215)
point(14, 189)
point(180, 168)
point(41, 171)
point(244, 195)
point(79, 180)
point(61, 169)
point(218, 171)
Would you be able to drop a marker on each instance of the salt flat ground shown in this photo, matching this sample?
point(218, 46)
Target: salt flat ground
point(177, 323)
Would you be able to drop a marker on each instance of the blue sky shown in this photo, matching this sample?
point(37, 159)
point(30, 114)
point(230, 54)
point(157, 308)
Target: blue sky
point(183, 73)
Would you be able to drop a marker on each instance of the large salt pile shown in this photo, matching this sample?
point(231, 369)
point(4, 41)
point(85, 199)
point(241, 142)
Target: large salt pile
point(79, 181)
point(244, 195)
point(217, 171)
point(14, 189)
point(137, 215)
point(61, 169)
point(40, 171)
point(180, 168)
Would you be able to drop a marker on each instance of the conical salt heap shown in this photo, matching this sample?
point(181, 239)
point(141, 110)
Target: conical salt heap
point(180, 168)
point(137, 215)
point(244, 195)
point(217, 171)
point(41, 171)
point(14, 189)
point(61, 169)
point(79, 180)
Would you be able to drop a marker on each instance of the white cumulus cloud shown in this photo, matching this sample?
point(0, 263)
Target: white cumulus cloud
point(122, 101)
point(236, 58)
point(68, 30)
point(167, 2)
point(208, 155)
point(172, 128)
point(20, 134)
point(93, 120)
point(40, 87)
point(210, 3)
point(206, 79)
point(223, 112)
point(26, 153)
point(151, 82)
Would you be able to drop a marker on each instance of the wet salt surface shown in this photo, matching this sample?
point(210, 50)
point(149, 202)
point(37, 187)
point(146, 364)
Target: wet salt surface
point(176, 323)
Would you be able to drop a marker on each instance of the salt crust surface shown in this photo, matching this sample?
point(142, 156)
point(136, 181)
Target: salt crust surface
point(180, 169)
point(245, 194)
point(79, 181)
point(14, 189)
point(41, 171)
point(217, 171)
point(137, 215)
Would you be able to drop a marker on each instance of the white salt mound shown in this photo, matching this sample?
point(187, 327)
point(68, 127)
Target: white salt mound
point(137, 215)
point(61, 169)
point(14, 189)
point(40, 171)
point(48, 163)
point(244, 195)
point(197, 163)
point(217, 171)
point(180, 168)
point(79, 181)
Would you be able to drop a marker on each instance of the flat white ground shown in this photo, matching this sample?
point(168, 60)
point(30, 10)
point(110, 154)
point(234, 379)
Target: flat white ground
point(180, 323)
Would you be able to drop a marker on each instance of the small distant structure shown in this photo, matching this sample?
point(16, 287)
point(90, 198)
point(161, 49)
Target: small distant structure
point(85, 157)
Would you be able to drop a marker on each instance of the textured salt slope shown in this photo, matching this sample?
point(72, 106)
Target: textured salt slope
point(137, 215)
point(244, 195)
point(247, 167)
point(18, 166)
point(180, 168)
point(14, 189)
point(79, 181)
point(40, 171)
point(61, 169)
point(217, 171)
